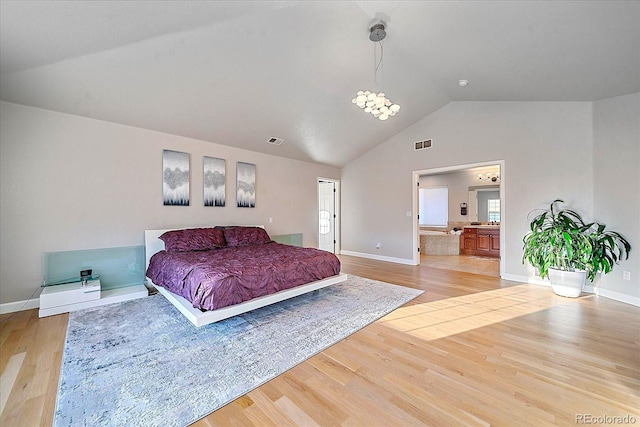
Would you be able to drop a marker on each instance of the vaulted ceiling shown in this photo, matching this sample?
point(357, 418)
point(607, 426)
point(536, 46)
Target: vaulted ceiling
point(240, 72)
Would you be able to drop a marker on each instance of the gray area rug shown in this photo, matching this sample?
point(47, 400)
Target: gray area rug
point(142, 363)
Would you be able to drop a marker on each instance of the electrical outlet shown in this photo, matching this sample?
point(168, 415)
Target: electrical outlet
point(626, 275)
point(378, 245)
point(270, 220)
point(408, 213)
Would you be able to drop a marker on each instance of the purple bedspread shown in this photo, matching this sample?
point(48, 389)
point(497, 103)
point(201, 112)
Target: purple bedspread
point(222, 277)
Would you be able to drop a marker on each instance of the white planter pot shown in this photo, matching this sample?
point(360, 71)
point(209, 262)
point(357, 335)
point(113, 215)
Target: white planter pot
point(567, 283)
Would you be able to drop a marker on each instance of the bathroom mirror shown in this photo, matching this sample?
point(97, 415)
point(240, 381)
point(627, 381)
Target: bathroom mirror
point(484, 203)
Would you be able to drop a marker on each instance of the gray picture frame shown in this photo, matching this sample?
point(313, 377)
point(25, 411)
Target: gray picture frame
point(214, 171)
point(175, 178)
point(245, 185)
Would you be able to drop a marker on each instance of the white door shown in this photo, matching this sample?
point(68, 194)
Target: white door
point(327, 216)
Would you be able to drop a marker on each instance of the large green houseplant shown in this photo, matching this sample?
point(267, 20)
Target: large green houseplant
point(562, 246)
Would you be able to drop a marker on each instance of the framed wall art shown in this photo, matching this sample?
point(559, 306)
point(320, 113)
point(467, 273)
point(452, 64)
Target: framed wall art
point(214, 179)
point(246, 185)
point(175, 178)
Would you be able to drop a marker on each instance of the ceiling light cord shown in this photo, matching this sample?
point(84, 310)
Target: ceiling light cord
point(378, 65)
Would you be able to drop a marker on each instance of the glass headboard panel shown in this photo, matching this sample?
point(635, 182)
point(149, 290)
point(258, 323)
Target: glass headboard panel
point(289, 239)
point(117, 267)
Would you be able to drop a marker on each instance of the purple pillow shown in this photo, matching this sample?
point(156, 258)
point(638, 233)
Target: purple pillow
point(193, 239)
point(241, 236)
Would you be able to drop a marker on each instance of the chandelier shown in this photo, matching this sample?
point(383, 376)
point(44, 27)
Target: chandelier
point(376, 104)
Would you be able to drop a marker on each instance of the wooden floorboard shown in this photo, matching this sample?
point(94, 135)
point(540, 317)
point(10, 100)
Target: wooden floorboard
point(472, 350)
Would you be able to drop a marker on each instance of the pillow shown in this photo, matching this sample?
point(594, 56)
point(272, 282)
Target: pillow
point(193, 239)
point(241, 236)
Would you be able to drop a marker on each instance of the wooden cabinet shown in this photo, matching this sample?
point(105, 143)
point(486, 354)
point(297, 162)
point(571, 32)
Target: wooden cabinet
point(495, 243)
point(470, 239)
point(481, 241)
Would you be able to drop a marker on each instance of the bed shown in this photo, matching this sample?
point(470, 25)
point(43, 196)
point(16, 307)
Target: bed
point(211, 274)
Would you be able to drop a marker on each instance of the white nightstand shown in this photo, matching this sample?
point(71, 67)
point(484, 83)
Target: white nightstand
point(58, 299)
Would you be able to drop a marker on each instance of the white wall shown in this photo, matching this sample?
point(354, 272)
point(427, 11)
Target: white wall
point(70, 183)
point(616, 183)
point(547, 148)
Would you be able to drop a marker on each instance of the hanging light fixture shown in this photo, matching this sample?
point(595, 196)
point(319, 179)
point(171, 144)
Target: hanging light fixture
point(489, 176)
point(376, 104)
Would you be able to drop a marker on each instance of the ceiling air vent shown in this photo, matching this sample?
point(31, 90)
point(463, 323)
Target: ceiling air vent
point(421, 145)
point(275, 141)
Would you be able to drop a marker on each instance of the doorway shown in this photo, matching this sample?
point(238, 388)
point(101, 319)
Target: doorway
point(462, 179)
point(328, 208)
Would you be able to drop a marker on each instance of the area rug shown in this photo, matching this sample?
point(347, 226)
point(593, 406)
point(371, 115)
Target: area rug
point(142, 363)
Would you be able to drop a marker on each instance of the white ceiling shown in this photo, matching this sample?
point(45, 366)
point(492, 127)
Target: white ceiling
point(237, 73)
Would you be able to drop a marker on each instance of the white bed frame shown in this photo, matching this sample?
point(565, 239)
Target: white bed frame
point(200, 318)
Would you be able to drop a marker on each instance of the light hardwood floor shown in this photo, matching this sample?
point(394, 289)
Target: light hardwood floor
point(472, 350)
point(466, 263)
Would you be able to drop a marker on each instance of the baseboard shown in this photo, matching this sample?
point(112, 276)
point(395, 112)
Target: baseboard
point(12, 307)
point(607, 293)
point(378, 257)
point(590, 289)
point(526, 279)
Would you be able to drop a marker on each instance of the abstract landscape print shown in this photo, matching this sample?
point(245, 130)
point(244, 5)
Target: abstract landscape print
point(214, 177)
point(175, 178)
point(246, 185)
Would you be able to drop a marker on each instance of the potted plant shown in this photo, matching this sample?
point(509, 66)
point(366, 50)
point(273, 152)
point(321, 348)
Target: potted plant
point(568, 250)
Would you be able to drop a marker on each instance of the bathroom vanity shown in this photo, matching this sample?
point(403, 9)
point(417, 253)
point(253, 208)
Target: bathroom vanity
point(481, 240)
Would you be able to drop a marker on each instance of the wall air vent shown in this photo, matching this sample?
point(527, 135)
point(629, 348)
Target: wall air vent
point(275, 141)
point(421, 145)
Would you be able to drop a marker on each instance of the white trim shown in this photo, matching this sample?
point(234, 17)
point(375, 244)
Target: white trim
point(200, 318)
point(379, 257)
point(607, 293)
point(590, 289)
point(12, 307)
point(534, 280)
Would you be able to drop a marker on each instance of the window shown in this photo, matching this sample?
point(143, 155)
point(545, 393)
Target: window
point(493, 206)
point(434, 206)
